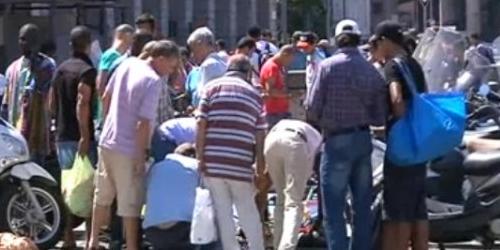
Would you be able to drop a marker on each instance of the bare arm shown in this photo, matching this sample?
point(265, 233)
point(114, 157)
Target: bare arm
point(201, 131)
point(102, 81)
point(83, 117)
point(106, 102)
point(142, 141)
point(397, 101)
point(259, 152)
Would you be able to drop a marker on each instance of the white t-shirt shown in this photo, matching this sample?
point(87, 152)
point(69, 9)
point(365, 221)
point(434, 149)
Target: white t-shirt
point(212, 67)
point(266, 47)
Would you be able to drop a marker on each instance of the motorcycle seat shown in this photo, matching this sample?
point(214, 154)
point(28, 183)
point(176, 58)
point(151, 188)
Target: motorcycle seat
point(482, 163)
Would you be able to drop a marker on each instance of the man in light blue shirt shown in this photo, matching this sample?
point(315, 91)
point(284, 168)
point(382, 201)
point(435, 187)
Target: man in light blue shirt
point(171, 134)
point(171, 191)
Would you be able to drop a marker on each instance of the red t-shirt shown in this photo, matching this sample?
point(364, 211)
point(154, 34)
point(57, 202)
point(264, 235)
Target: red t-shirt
point(272, 70)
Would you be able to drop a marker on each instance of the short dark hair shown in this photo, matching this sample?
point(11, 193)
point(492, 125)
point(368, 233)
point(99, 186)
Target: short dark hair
point(475, 36)
point(146, 18)
point(165, 48)
point(254, 32)
point(410, 44)
point(267, 33)
point(184, 51)
point(48, 47)
point(141, 38)
point(221, 43)
point(81, 38)
point(246, 42)
point(348, 40)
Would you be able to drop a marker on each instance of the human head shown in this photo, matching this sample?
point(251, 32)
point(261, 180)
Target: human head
point(81, 39)
point(220, 45)
point(163, 56)
point(267, 35)
point(29, 39)
point(474, 39)
point(140, 39)
point(201, 43)
point(410, 44)
point(124, 34)
point(374, 50)
point(307, 42)
point(255, 33)
point(324, 44)
point(241, 64)
point(389, 38)
point(347, 34)
point(296, 36)
point(186, 149)
point(246, 46)
point(146, 22)
point(285, 55)
point(185, 54)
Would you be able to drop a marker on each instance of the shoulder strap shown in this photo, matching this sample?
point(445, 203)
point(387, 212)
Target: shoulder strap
point(407, 75)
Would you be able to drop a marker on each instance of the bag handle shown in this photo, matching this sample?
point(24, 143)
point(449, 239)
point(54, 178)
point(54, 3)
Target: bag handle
point(407, 75)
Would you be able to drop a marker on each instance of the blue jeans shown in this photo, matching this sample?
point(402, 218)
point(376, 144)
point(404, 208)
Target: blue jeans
point(346, 163)
point(161, 146)
point(66, 153)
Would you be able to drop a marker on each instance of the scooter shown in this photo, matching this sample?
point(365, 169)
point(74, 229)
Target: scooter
point(31, 203)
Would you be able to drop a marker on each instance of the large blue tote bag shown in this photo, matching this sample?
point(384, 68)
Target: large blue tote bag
point(432, 126)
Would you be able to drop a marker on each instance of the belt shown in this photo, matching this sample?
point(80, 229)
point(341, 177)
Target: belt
point(329, 133)
point(302, 135)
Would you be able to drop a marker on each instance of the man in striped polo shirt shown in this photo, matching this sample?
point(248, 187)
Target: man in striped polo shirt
point(231, 132)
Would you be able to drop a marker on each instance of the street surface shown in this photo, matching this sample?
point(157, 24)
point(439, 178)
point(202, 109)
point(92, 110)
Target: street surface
point(459, 246)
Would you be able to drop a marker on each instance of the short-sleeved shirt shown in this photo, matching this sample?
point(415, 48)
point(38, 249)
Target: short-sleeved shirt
point(233, 110)
point(272, 70)
point(212, 67)
point(78, 69)
point(192, 80)
point(393, 74)
point(171, 191)
point(135, 89)
point(108, 58)
point(181, 130)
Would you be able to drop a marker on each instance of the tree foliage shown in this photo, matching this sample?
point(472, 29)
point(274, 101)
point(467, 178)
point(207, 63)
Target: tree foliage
point(307, 15)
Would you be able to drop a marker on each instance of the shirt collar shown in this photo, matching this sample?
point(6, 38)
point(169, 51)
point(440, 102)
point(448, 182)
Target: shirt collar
point(349, 50)
point(83, 57)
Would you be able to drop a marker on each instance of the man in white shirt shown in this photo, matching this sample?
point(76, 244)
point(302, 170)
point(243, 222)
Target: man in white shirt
point(307, 43)
point(289, 150)
point(202, 44)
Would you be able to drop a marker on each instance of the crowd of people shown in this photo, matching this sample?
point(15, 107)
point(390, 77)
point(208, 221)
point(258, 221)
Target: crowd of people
point(236, 133)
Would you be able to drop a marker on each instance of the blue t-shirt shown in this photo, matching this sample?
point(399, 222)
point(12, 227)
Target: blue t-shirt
point(181, 130)
point(171, 191)
point(192, 82)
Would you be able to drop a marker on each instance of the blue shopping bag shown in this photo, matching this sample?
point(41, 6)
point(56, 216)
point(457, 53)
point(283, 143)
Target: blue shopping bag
point(434, 124)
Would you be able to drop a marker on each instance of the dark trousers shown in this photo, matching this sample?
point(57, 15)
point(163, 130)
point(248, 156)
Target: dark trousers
point(174, 238)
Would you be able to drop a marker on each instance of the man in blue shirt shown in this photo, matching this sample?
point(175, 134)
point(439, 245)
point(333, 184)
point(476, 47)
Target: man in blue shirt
point(171, 134)
point(171, 192)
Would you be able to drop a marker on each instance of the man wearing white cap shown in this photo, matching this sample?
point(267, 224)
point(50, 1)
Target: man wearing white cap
point(348, 96)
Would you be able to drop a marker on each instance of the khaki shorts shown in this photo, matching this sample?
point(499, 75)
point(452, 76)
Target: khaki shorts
point(116, 177)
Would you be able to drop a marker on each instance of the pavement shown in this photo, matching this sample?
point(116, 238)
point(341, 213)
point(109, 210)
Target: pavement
point(473, 245)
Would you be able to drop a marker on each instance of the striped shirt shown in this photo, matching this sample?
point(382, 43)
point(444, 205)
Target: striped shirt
point(233, 110)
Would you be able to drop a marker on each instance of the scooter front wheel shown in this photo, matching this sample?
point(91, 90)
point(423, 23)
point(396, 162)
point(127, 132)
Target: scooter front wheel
point(19, 215)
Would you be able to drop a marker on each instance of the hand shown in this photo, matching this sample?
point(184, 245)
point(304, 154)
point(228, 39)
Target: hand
point(83, 147)
point(202, 166)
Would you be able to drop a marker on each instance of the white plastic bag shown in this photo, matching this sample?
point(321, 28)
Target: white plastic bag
point(203, 228)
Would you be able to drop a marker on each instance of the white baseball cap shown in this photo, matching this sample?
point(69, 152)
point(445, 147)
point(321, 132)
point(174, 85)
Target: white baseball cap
point(347, 26)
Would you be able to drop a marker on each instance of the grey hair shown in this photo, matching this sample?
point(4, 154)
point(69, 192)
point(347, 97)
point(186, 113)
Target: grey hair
point(202, 35)
point(165, 48)
point(240, 63)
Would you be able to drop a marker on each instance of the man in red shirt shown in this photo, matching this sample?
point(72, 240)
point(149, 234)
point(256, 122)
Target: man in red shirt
point(272, 78)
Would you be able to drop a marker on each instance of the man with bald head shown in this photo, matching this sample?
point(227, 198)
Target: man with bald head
point(123, 39)
point(272, 78)
point(26, 98)
point(230, 133)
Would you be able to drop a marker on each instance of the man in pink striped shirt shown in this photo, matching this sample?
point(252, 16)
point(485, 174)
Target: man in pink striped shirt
point(231, 132)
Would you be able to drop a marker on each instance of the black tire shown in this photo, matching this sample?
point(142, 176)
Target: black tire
point(10, 190)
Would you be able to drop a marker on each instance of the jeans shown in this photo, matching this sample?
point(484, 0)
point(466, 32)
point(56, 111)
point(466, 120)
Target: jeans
point(161, 146)
point(273, 119)
point(346, 162)
point(67, 150)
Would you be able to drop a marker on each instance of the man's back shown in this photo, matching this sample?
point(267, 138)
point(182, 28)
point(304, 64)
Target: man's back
point(233, 110)
point(135, 89)
point(182, 130)
point(348, 92)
